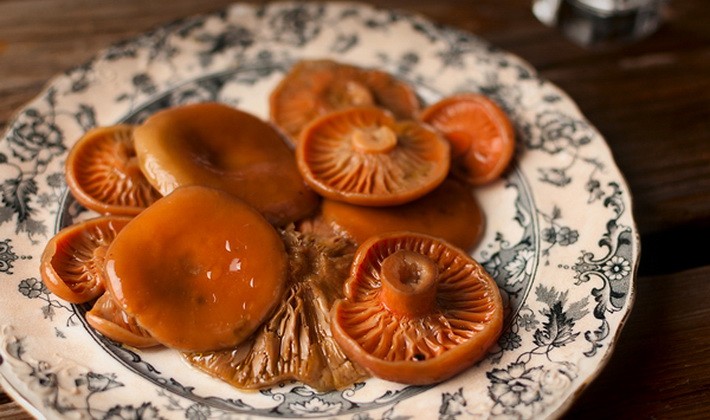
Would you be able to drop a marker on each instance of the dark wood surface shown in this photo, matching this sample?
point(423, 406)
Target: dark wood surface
point(650, 99)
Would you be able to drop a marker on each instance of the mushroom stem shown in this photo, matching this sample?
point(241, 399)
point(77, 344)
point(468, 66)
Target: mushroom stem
point(380, 140)
point(409, 283)
point(357, 94)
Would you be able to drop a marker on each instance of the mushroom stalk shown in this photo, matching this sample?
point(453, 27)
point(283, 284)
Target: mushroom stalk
point(379, 140)
point(409, 282)
point(354, 93)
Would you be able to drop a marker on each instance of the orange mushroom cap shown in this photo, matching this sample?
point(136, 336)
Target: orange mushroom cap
point(416, 309)
point(103, 174)
point(199, 270)
point(313, 88)
point(481, 135)
point(364, 156)
point(72, 262)
point(450, 212)
point(221, 147)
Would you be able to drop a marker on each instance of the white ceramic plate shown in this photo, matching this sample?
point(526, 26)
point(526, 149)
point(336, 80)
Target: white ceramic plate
point(560, 238)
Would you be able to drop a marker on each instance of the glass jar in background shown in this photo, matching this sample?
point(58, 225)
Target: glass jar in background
point(597, 22)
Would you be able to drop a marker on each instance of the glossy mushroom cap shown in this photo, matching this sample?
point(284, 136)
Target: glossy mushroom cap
point(221, 147)
point(199, 269)
point(416, 310)
point(449, 212)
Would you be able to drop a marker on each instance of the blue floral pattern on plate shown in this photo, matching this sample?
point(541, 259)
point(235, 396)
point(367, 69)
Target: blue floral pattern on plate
point(560, 239)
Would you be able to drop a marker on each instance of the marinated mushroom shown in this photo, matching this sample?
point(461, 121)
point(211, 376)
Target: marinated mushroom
point(107, 317)
point(364, 156)
point(450, 212)
point(295, 343)
point(103, 174)
point(416, 309)
point(255, 306)
point(481, 135)
point(199, 270)
point(313, 88)
point(72, 262)
point(217, 146)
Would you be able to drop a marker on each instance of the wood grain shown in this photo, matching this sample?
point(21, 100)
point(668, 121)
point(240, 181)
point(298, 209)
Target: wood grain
point(650, 100)
point(660, 367)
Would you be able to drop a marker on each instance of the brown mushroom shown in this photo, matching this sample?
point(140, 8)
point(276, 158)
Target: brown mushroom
point(450, 212)
point(313, 88)
point(107, 317)
point(221, 147)
point(416, 309)
point(295, 343)
point(199, 270)
point(364, 156)
point(72, 262)
point(103, 174)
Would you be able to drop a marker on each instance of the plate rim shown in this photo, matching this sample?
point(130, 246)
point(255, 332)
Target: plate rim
point(631, 222)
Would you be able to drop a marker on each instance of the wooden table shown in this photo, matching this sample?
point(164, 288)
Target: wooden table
point(650, 99)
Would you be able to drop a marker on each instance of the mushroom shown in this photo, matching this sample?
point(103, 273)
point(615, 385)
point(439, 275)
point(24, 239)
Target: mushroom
point(364, 156)
point(72, 262)
point(313, 88)
point(199, 270)
point(103, 174)
point(416, 309)
point(481, 135)
point(107, 317)
point(450, 212)
point(295, 343)
point(217, 146)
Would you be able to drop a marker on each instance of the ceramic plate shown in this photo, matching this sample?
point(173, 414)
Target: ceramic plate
point(560, 238)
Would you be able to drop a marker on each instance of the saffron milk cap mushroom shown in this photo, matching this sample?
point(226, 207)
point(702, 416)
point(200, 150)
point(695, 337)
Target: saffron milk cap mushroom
point(417, 310)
